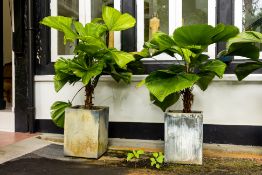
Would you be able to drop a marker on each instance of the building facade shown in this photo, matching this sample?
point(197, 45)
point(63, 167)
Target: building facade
point(232, 112)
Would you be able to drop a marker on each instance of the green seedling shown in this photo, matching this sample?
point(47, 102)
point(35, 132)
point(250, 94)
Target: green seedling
point(134, 154)
point(157, 160)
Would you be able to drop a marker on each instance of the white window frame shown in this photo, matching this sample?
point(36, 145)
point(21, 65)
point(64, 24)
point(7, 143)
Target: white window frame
point(84, 17)
point(175, 21)
point(238, 22)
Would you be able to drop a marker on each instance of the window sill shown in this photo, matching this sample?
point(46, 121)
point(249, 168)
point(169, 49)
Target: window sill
point(137, 78)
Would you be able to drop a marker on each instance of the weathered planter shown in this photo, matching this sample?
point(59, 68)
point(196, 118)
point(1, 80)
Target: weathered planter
point(183, 137)
point(86, 132)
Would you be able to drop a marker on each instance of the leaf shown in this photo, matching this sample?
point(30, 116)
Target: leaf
point(162, 84)
point(58, 112)
point(121, 58)
point(247, 50)
point(187, 55)
point(198, 60)
point(157, 166)
point(228, 31)
point(155, 155)
point(141, 83)
point(168, 101)
point(245, 37)
point(61, 23)
point(205, 79)
point(216, 66)
point(129, 156)
point(244, 69)
point(115, 21)
point(85, 72)
point(91, 46)
point(243, 45)
point(63, 74)
point(153, 161)
point(140, 152)
point(95, 30)
point(195, 35)
point(162, 41)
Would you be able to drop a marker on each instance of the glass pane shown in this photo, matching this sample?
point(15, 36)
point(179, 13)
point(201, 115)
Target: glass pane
point(252, 16)
point(68, 8)
point(96, 7)
point(156, 17)
point(195, 12)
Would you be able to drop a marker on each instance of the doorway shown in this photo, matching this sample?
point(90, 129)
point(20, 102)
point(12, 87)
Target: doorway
point(6, 76)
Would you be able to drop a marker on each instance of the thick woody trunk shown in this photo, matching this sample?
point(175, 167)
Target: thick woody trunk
point(187, 100)
point(89, 96)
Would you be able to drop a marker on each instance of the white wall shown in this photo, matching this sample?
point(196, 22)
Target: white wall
point(7, 31)
point(226, 101)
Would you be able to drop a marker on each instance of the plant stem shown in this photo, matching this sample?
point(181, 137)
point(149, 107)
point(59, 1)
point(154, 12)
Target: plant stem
point(89, 96)
point(188, 98)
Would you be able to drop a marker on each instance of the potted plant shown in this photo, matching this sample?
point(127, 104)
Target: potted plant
point(184, 129)
point(86, 127)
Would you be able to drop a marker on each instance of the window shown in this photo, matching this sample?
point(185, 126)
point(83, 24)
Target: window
point(167, 15)
point(162, 15)
point(80, 10)
point(248, 16)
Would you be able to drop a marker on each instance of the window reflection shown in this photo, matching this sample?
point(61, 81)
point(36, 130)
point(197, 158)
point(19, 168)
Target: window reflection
point(156, 17)
point(195, 12)
point(68, 8)
point(252, 16)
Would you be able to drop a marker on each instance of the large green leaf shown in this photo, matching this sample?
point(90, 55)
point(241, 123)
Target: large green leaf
point(63, 74)
point(247, 50)
point(243, 44)
point(115, 21)
point(61, 23)
point(205, 79)
point(195, 35)
point(95, 29)
point(167, 102)
point(162, 84)
point(85, 72)
point(58, 112)
point(90, 46)
point(91, 29)
point(216, 66)
point(245, 37)
point(121, 58)
point(244, 69)
point(228, 31)
point(162, 41)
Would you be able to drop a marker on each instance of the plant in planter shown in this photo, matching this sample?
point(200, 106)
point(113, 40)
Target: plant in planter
point(86, 127)
point(184, 129)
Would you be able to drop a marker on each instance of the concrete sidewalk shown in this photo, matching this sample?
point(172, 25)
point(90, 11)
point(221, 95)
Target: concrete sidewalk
point(43, 154)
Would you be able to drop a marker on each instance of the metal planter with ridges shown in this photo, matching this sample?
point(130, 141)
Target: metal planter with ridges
point(86, 132)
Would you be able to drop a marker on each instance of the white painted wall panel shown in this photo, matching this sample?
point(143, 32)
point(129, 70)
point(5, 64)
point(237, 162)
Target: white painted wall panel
point(226, 101)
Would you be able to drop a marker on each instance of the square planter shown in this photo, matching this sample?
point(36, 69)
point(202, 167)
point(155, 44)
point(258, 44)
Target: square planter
point(86, 132)
point(183, 137)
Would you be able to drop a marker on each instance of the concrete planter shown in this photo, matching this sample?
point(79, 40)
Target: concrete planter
point(183, 137)
point(86, 132)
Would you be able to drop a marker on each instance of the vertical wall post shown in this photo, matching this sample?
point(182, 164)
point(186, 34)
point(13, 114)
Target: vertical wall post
point(30, 66)
point(19, 44)
point(225, 15)
point(128, 37)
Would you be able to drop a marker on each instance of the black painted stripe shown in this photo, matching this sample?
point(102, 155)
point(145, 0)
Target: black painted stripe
point(223, 134)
